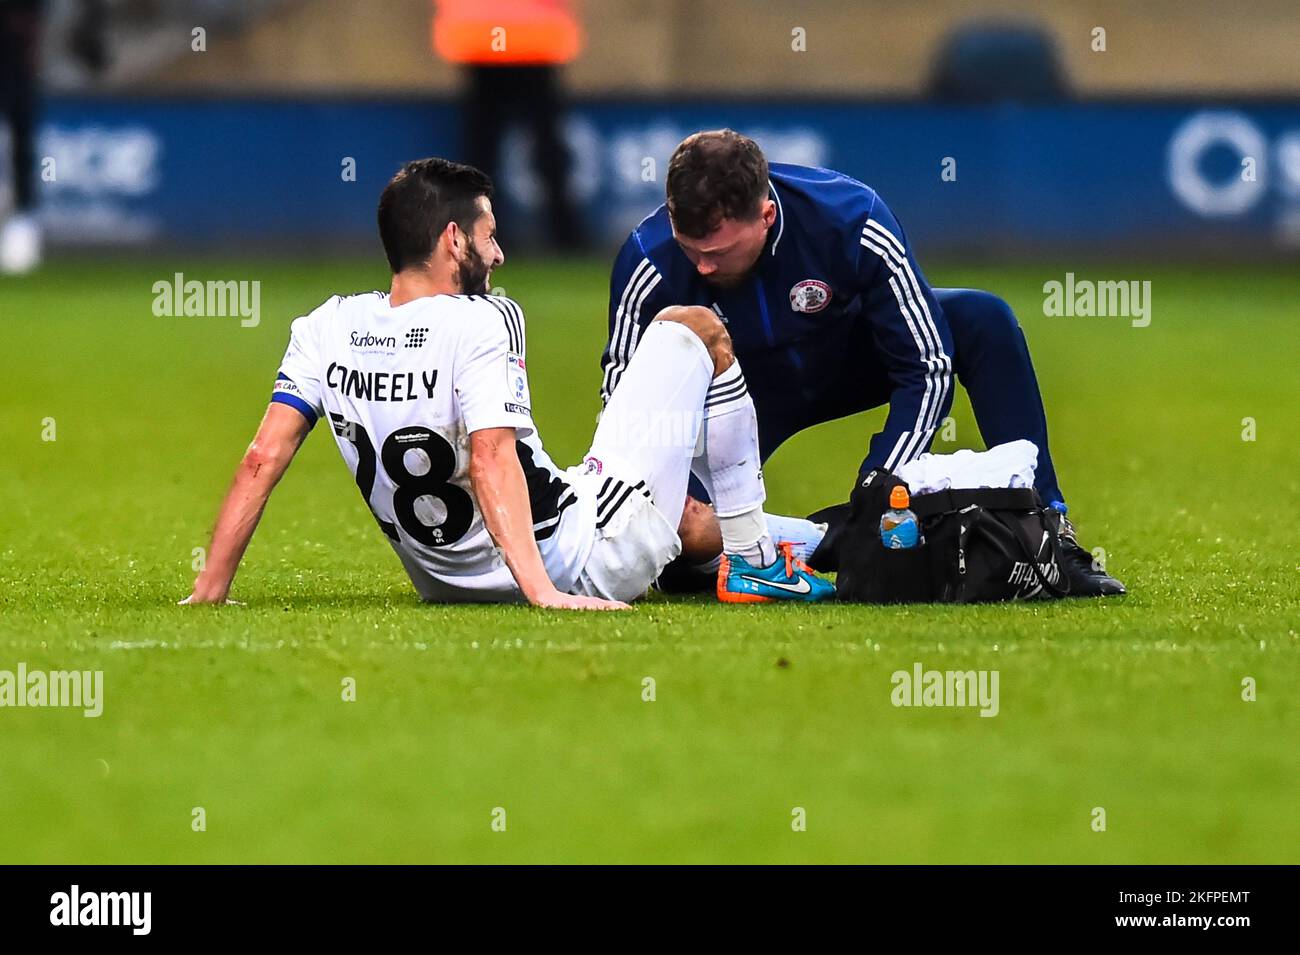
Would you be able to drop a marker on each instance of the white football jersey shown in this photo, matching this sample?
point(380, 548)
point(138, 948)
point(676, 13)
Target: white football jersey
point(402, 389)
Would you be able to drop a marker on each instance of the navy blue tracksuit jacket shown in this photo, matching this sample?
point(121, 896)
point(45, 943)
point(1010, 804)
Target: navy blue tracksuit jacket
point(835, 318)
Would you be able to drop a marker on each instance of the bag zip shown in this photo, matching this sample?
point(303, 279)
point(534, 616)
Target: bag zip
point(962, 528)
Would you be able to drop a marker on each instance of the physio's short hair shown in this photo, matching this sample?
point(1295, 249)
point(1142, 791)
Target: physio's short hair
point(419, 202)
point(715, 175)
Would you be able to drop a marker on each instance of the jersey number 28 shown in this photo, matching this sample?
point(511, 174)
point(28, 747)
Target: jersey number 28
point(414, 492)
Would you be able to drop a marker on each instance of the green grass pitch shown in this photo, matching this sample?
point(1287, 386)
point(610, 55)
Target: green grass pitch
point(1132, 705)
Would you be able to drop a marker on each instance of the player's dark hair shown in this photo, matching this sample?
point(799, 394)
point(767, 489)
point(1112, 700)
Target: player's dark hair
point(419, 202)
point(715, 175)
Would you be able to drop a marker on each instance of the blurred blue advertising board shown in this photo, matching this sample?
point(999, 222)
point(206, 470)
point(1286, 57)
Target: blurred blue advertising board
point(1112, 177)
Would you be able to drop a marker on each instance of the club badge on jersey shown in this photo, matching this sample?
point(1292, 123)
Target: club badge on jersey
point(810, 296)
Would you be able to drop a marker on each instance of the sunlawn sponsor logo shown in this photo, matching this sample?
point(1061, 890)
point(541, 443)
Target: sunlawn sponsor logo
point(82, 689)
point(922, 687)
point(415, 337)
point(74, 907)
point(810, 296)
point(367, 342)
point(228, 298)
point(1088, 299)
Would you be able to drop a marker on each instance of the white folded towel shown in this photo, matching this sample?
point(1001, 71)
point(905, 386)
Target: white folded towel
point(1007, 465)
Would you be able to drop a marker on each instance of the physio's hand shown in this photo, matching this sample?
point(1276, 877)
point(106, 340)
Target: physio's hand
point(555, 600)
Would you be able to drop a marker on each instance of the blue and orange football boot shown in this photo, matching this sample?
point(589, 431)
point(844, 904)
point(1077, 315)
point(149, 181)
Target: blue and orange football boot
point(788, 578)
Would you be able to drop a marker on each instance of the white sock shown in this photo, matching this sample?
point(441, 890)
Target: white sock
point(747, 535)
point(709, 566)
point(802, 534)
point(729, 466)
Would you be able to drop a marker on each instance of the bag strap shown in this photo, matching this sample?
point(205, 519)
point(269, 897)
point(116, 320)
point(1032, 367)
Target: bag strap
point(979, 514)
point(992, 498)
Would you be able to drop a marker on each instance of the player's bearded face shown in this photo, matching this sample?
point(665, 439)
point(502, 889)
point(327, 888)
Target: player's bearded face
point(473, 270)
point(481, 254)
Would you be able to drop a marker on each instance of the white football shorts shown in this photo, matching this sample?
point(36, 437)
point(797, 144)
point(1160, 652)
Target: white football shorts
point(640, 462)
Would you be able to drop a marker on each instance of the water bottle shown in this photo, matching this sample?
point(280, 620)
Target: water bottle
point(898, 526)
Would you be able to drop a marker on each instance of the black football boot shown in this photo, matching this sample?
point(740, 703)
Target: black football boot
point(1087, 577)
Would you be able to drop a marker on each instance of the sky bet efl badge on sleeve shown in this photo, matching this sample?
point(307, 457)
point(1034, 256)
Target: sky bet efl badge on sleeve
point(517, 377)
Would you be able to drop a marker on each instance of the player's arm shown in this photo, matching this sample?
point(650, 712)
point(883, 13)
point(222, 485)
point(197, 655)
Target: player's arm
point(910, 330)
point(502, 494)
point(295, 406)
point(492, 387)
point(277, 441)
point(636, 294)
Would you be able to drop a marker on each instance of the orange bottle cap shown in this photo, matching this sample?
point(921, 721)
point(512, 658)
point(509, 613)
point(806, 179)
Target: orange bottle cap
point(898, 498)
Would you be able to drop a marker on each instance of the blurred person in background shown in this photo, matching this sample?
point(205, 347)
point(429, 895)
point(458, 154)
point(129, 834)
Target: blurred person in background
point(21, 27)
point(992, 61)
point(512, 52)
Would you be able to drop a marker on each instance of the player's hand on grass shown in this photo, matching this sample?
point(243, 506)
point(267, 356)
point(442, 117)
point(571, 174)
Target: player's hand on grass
point(558, 601)
point(208, 595)
point(191, 600)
